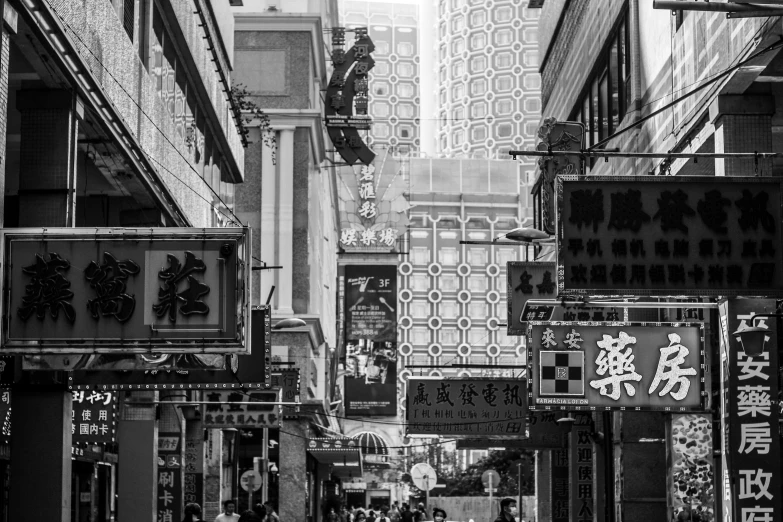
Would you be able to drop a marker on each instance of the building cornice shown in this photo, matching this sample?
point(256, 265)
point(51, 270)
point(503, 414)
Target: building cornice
point(304, 118)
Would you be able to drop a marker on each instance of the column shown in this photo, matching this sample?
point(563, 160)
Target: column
point(268, 221)
point(543, 484)
point(293, 471)
point(743, 123)
point(138, 453)
point(41, 438)
point(285, 231)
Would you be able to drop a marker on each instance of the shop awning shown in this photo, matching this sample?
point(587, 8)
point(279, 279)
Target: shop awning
point(343, 454)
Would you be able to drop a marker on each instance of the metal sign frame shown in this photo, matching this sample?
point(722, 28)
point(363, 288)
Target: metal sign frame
point(598, 182)
point(701, 380)
point(234, 311)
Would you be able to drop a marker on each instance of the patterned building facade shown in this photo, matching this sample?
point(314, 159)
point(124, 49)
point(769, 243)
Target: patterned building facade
point(394, 81)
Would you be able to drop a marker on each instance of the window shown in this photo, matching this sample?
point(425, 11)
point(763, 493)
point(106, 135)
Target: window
point(503, 14)
point(477, 310)
point(420, 335)
point(503, 37)
point(505, 255)
point(381, 68)
point(477, 283)
point(459, 137)
point(380, 109)
point(405, 133)
point(478, 18)
point(405, 48)
point(457, 23)
point(478, 86)
point(449, 337)
point(405, 90)
point(458, 92)
point(459, 114)
point(420, 256)
point(503, 60)
point(405, 110)
point(420, 282)
point(505, 130)
point(479, 133)
point(504, 107)
point(478, 337)
point(477, 256)
point(420, 309)
point(479, 110)
point(405, 69)
point(458, 46)
point(478, 64)
point(478, 41)
point(380, 130)
point(504, 84)
point(449, 309)
point(458, 69)
point(382, 47)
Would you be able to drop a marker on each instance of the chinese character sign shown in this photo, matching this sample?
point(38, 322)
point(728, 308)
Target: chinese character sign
point(753, 439)
point(581, 454)
point(371, 302)
point(5, 415)
point(169, 476)
point(126, 290)
point(483, 407)
point(543, 432)
point(560, 490)
point(242, 408)
point(669, 236)
point(93, 416)
point(642, 366)
point(373, 206)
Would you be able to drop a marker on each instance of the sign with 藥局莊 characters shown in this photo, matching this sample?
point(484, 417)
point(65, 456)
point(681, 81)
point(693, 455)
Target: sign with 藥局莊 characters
point(156, 290)
point(632, 366)
point(669, 235)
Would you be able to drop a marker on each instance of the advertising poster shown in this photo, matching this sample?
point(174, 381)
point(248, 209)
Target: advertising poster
point(691, 478)
point(496, 407)
point(669, 235)
point(753, 431)
point(371, 303)
point(169, 477)
point(93, 419)
point(372, 390)
point(242, 409)
point(641, 366)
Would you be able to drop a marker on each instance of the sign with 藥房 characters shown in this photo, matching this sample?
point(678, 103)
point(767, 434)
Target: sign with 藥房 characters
point(669, 235)
point(631, 366)
point(117, 291)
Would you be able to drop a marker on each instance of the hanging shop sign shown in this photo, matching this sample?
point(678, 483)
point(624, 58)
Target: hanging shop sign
point(560, 491)
point(241, 409)
point(669, 235)
point(581, 454)
point(632, 366)
point(528, 280)
point(750, 432)
point(373, 207)
point(691, 476)
point(555, 135)
point(166, 290)
point(371, 302)
point(542, 432)
point(347, 95)
point(465, 406)
point(253, 368)
point(169, 477)
point(194, 466)
point(5, 416)
point(369, 398)
point(94, 417)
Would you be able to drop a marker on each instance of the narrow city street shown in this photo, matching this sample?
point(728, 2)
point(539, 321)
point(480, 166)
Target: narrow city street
point(391, 260)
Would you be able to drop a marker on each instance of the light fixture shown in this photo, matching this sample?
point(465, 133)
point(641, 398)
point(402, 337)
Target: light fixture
point(191, 412)
point(567, 422)
point(273, 469)
point(293, 322)
point(754, 338)
point(526, 234)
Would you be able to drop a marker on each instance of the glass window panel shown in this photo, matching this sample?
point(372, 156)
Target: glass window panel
point(420, 335)
point(621, 69)
point(594, 112)
point(449, 283)
point(627, 55)
point(477, 310)
point(449, 337)
point(478, 337)
point(420, 282)
point(506, 255)
point(477, 256)
point(420, 255)
point(587, 120)
point(449, 309)
point(448, 256)
point(477, 283)
point(604, 99)
point(615, 93)
point(420, 309)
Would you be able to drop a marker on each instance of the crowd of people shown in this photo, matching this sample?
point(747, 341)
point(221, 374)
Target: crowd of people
point(266, 513)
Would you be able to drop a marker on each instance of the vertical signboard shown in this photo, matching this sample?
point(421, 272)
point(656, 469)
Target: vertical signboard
point(560, 486)
point(691, 478)
point(371, 302)
point(581, 449)
point(93, 416)
point(169, 477)
point(752, 424)
point(194, 465)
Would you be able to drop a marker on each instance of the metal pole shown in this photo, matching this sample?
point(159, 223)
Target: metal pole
point(519, 479)
point(150, 403)
point(728, 7)
point(653, 155)
point(490, 495)
point(621, 304)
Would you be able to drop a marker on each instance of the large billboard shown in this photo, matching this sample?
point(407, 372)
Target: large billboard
point(669, 235)
point(371, 302)
point(372, 388)
point(750, 430)
point(167, 290)
point(466, 406)
point(631, 366)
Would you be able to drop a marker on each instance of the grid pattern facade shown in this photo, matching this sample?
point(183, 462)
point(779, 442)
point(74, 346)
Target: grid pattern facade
point(488, 99)
point(452, 297)
point(394, 81)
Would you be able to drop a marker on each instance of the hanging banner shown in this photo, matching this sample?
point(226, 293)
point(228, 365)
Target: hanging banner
point(93, 418)
point(669, 235)
point(640, 366)
point(691, 477)
point(469, 406)
point(753, 451)
point(194, 466)
point(118, 291)
point(242, 409)
point(5, 416)
point(253, 368)
point(560, 486)
point(371, 302)
point(581, 448)
point(528, 280)
point(373, 388)
point(169, 477)
point(542, 432)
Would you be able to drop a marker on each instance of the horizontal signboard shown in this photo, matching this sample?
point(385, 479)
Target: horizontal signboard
point(543, 432)
point(155, 290)
point(241, 409)
point(633, 366)
point(670, 235)
point(469, 406)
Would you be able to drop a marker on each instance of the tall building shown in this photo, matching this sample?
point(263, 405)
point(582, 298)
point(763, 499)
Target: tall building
point(479, 77)
point(394, 81)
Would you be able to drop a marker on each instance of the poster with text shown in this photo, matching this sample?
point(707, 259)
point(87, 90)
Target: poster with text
point(371, 302)
point(372, 387)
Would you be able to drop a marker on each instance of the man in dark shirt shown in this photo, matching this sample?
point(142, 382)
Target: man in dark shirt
point(508, 510)
point(407, 514)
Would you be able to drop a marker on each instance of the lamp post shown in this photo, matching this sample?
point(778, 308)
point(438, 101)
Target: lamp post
point(754, 338)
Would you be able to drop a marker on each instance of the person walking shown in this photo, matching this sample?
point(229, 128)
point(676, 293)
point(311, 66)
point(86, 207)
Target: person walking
point(271, 516)
point(508, 510)
point(332, 516)
point(406, 515)
point(438, 515)
point(384, 517)
point(192, 513)
point(344, 515)
point(394, 514)
point(420, 515)
point(228, 514)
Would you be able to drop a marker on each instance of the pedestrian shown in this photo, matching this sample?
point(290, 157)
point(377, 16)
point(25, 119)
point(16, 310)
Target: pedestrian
point(332, 516)
point(370, 514)
point(361, 517)
point(260, 510)
point(394, 514)
point(271, 516)
point(192, 513)
point(508, 510)
point(250, 516)
point(384, 514)
point(406, 515)
point(344, 515)
point(421, 513)
point(438, 515)
point(228, 514)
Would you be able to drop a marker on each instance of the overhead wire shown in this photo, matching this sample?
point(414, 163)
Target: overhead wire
point(234, 218)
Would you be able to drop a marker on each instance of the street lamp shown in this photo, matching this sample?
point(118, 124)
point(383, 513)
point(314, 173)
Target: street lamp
point(293, 322)
point(527, 235)
point(568, 421)
point(754, 338)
